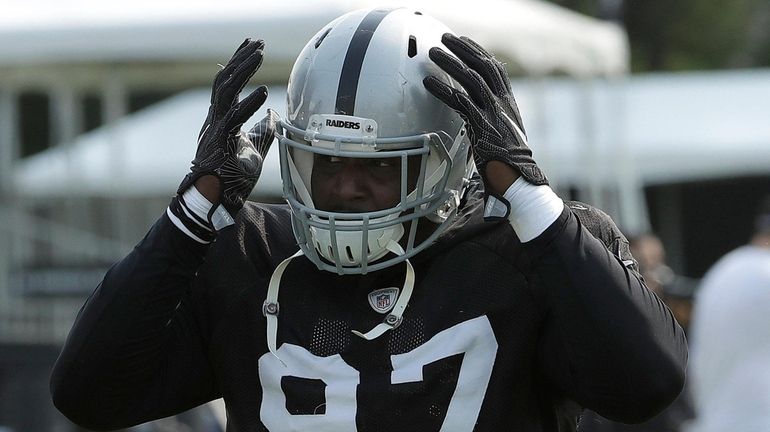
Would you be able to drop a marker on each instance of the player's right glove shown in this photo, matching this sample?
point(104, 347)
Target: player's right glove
point(223, 149)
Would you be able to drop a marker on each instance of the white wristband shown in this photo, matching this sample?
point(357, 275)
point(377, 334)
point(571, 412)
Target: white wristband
point(533, 208)
point(198, 204)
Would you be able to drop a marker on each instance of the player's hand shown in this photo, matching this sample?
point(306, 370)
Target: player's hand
point(223, 149)
point(486, 103)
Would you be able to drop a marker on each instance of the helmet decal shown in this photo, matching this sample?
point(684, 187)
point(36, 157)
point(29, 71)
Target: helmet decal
point(354, 59)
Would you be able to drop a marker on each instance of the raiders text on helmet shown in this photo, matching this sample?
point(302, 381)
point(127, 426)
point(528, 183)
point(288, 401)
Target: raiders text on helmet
point(343, 124)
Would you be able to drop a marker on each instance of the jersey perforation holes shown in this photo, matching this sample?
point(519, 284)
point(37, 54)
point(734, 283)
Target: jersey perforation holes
point(329, 337)
point(406, 337)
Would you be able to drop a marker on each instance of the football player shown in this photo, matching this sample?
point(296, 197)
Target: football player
point(396, 289)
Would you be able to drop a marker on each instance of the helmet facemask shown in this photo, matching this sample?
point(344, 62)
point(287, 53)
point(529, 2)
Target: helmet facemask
point(347, 242)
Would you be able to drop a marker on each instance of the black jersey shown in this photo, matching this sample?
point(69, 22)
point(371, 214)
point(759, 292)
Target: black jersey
point(498, 335)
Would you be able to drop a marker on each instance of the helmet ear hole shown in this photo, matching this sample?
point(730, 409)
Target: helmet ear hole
point(412, 47)
point(322, 37)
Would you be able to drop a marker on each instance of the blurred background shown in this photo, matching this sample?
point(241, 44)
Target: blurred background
point(655, 111)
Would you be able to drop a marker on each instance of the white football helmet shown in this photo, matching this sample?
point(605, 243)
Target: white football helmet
point(356, 91)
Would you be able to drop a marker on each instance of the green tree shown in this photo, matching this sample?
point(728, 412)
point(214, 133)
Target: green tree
point(688, 34)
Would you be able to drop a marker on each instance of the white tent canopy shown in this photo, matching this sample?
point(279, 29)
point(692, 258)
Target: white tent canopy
point(661, 128)
point(665, 128)
point(535, 37)
point(144, 154)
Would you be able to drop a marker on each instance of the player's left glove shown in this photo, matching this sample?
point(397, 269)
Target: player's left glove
point(486, 104)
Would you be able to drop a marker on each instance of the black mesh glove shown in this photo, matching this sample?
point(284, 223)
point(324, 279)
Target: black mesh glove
point(486, 104)
point(223, 149)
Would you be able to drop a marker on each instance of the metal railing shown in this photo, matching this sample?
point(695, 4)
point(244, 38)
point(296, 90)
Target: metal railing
point(43, 319)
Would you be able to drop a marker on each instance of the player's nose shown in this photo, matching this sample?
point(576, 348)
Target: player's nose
point(351, 194)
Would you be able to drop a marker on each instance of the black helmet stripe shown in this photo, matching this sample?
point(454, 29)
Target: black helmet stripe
point(354, 59)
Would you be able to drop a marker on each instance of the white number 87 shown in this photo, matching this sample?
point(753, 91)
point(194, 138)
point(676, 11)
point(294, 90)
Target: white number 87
point(474, 338)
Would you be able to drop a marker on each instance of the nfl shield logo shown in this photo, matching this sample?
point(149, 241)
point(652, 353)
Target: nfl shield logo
point(382, 300)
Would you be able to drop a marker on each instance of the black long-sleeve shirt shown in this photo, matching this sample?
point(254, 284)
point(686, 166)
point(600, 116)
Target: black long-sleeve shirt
point(498, 335)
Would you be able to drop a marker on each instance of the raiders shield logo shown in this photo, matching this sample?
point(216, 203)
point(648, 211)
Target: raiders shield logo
point(382, 300)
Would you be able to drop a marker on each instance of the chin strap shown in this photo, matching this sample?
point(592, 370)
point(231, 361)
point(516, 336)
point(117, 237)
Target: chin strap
point(394, 318)
point(270, 307)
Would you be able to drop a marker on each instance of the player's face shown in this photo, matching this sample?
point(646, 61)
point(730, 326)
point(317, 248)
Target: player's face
point(350, 185)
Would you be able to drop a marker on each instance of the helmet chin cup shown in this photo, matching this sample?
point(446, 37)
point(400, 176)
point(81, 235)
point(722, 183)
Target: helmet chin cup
point(347, 247)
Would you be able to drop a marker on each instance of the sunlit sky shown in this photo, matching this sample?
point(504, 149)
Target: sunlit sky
point(547, 36)
point(30, 14)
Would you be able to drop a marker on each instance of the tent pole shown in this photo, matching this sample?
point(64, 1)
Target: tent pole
point(115, 109)
point(634, 216)
point(593, 174)
point(9, 153)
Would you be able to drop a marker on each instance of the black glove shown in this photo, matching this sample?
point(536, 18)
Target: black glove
point(223, 149)
point(487, 106)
